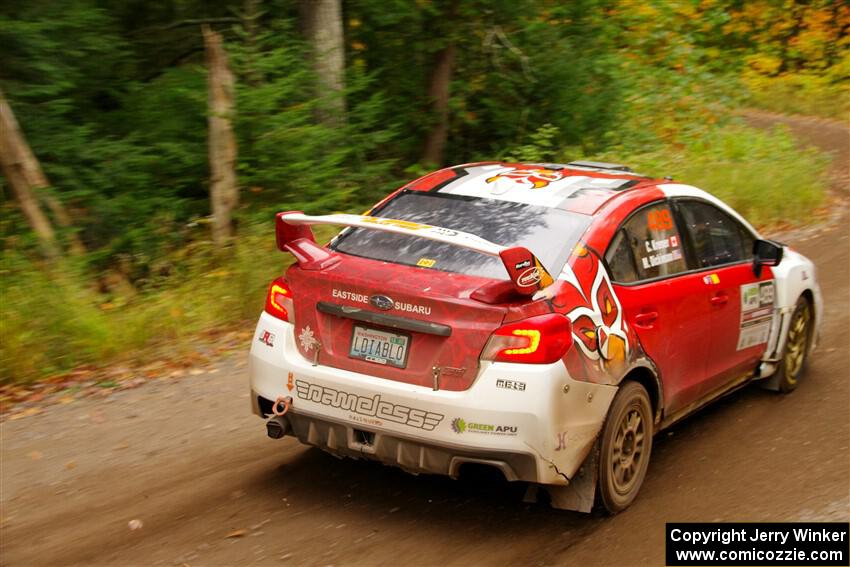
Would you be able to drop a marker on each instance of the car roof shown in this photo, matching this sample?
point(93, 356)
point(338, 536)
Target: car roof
point(580, 187)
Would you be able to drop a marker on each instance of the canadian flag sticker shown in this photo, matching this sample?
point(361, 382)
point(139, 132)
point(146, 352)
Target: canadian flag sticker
point(674, 241)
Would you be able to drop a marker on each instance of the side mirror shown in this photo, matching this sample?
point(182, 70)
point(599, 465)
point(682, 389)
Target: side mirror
point(766, 253)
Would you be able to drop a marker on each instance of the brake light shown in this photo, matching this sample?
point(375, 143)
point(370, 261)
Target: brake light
point(279, 300)
point(537, 340)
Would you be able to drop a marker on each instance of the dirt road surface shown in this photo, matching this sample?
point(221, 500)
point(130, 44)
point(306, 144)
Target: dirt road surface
point(179, 472)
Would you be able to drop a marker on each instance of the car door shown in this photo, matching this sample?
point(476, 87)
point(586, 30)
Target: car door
point(741, 302)
point(666, 305)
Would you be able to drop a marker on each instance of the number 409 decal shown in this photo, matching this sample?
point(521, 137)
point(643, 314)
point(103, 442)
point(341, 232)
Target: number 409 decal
point(660, 220)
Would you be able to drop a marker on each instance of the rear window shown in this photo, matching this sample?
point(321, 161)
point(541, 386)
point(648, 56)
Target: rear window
point(549, 233)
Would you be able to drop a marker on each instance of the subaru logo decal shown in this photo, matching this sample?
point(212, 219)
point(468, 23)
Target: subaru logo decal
point(381, 302)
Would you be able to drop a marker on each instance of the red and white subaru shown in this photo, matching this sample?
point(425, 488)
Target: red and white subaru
point(542, 319)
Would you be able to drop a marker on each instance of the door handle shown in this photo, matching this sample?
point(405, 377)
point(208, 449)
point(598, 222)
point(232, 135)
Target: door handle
point(646, 320)
point(720, 299)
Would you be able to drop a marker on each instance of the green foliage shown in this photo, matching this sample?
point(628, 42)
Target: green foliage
point(54, 320)
point(541, 146)
point(765, 176)
point(783, 55)
point(290, 157)
point(112, 98)
point(807, 94)
point(118, 152)
point(34, 305)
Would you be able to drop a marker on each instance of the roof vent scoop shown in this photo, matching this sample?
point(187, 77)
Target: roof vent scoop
point(601, 165)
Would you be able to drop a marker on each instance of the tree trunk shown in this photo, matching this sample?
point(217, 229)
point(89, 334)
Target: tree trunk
point(251, 13)
point(438, 94)
point(25, 176)
point(224, 193)
point(321, 21)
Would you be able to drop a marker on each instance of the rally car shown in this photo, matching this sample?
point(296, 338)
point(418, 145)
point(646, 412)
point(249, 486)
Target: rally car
point(541, 319)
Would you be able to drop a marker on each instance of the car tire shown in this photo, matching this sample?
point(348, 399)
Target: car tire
point(625, 448)
point(795, 355)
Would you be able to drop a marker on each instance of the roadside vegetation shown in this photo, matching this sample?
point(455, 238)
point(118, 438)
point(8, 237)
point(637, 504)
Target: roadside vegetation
point(120, 106)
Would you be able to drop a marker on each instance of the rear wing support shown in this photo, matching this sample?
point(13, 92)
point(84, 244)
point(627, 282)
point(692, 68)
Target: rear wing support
point(294, 235)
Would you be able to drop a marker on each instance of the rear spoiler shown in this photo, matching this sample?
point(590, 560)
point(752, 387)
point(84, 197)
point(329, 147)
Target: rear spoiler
point(294, 235)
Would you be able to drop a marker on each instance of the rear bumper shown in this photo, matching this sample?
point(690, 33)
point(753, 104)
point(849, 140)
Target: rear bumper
point(412, 454)
point(532, 434)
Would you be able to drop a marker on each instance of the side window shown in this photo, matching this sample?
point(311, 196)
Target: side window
point(620, 260)
point(655, 242)
point(717, 237)
point(648, 246)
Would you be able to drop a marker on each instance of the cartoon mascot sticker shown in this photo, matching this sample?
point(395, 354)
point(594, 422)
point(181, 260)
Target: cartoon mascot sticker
point(605, 342)
point(528, 178)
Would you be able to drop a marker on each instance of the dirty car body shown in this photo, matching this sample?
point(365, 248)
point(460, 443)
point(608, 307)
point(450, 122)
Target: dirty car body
point(490, 313)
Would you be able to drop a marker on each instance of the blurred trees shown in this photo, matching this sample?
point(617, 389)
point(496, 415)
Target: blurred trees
point(438, 92)
point(332, 103)
point(224, 190)
point(24, 176)
point(112, 98)
point(321, 21)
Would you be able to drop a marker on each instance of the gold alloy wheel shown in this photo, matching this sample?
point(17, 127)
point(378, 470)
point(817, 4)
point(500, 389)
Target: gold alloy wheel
point(797, 343)
point(628, 451)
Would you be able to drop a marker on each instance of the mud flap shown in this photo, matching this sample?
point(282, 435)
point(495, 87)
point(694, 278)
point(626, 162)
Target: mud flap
point(580, 494)
point(771, 381)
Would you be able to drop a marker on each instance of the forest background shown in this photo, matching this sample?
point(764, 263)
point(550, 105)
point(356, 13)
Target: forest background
point(146, 145)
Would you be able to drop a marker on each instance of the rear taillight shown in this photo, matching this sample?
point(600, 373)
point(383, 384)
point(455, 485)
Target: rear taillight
point(537, 340)
point(279, 300)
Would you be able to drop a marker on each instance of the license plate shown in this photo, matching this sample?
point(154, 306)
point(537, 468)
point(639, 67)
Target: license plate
point(381, 347)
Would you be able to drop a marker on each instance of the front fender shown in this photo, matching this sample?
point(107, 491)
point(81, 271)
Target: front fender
point(795, 276)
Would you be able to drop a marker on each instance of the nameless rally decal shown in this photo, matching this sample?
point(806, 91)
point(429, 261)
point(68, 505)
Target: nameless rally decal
point(561, 441)
point(530, 277)
point(307, 339)
point(413, 226)
point(369, 407)
point(267, 338)
point(452, 371)
point(525, 269)
point(399, 223)
point(756, 313)
point(510, 385)
point(460, 425)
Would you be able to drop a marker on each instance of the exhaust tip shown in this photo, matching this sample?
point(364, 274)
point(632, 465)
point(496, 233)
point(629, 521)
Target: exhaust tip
point(277, 428)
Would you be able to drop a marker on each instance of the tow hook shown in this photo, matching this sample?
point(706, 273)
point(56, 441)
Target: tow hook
point(284, 402)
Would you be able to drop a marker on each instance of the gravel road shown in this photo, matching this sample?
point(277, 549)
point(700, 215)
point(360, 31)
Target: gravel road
point(179, 472)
